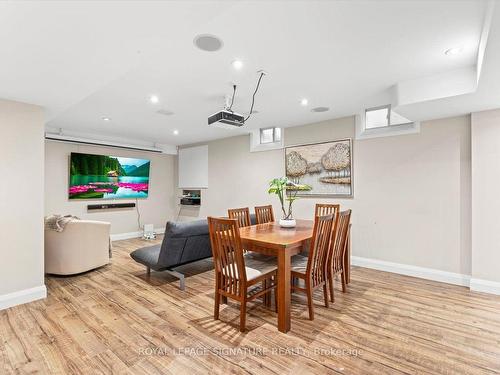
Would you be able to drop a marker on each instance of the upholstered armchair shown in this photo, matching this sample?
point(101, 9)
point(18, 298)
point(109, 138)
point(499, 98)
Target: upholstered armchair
point(82, 246)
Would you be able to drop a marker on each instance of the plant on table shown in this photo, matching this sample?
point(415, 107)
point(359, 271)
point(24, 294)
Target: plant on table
point(287, 191)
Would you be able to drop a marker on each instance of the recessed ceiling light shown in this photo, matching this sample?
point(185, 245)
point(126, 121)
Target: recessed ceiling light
point(207, 42)
point(453, 51)
point(237, 64)
point(106, 119)
point(154, 99)
point(176, 132)
point(304, 102)
point(320, 109)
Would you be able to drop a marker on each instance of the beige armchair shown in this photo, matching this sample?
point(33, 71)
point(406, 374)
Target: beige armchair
point(82, 246)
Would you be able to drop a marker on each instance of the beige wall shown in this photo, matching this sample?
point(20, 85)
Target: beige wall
point(156, 209)
point(486, 195)
point(21, 198)
point(411, 200)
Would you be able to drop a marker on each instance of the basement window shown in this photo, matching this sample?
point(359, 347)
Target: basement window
point(270, 135)
point(382, 117)
point(382, 121)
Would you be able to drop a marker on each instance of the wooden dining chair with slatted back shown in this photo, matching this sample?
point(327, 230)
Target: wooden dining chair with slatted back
point(312, 269)
point(337, 249)
point(264, 214)
point(242, 215)
point(233, 278)
point(323, 209)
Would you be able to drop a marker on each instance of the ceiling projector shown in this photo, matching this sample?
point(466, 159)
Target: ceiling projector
point(226, 119)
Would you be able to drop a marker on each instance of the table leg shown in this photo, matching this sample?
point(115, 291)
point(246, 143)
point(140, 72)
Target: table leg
point(284, 320)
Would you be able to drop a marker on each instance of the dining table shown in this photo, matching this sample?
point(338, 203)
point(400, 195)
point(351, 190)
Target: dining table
point(283, 243)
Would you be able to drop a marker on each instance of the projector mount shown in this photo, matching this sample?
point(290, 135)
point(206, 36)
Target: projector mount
point(228, 107)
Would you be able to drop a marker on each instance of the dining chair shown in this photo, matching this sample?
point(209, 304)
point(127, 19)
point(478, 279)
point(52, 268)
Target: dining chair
point(242, 215)
point(264, 214)
point(312, 269)
point(337, 250)
point(322, 209)
point(233, 278)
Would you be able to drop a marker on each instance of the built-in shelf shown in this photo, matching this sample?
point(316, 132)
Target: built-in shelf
point(190, 198)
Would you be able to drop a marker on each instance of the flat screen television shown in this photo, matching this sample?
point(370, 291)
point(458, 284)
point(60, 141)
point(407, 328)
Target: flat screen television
point(107, 177)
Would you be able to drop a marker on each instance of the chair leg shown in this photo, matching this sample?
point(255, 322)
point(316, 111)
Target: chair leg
point(343, 282)
point(325, 294)
point(216, 306)
point(148, 271)
point(265, 297)
point(310, 301)
point(243, 315)
point(275, 291)
point(330, 282)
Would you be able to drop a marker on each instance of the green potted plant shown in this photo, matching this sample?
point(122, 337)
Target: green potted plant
point(286, 191)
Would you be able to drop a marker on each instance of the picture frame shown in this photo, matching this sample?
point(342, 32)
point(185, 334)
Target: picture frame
point(325, 166)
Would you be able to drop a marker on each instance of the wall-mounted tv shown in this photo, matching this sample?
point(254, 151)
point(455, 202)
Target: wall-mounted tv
point(107, 177)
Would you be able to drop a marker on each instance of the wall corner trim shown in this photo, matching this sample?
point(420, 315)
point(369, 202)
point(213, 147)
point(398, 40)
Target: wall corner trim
point(408, 270)
point(22, 296)
point(486, 286)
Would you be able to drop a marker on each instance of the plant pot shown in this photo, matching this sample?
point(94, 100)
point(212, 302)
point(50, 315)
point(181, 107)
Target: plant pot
point(288, 223)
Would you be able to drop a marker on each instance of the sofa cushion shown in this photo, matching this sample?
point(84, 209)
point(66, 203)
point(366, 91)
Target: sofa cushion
point(184, 242)
point(186, 229)
point(147, 256)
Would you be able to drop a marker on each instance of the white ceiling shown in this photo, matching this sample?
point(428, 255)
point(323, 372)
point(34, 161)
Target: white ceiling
point(86, 60)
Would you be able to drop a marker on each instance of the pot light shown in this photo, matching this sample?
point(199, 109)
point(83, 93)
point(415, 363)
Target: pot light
point(176, 132)
point(154, 99)
point(453, 51)
point(304, 102)
point(106, 119)
point(237, 64)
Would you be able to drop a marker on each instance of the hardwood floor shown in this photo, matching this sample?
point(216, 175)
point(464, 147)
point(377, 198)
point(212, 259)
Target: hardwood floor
point(118, 320)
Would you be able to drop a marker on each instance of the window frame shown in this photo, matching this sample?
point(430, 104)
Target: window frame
point(274, 138)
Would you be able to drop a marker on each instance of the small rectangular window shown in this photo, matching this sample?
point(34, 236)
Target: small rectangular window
point(377, 117)
point(383, 117)
point(270, 135)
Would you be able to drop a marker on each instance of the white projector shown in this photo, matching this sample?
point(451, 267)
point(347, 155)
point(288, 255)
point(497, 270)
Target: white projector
point(226, 120)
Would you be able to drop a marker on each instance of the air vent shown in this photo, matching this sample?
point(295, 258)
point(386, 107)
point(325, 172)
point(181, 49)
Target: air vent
point(165, 112)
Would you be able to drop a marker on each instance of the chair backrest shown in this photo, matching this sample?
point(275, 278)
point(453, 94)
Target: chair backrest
point(228, 255)
point(242, 215)
point(264, 214)
point(338, 241)
point(318, 253)
point(323, 209)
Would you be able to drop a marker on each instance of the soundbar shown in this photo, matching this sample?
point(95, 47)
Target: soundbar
point(106, 206)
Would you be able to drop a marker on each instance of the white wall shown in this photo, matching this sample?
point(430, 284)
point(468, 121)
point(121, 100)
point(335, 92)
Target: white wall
point(411, 200)
point(157, 209)
point(486, 198)
point(21, 203)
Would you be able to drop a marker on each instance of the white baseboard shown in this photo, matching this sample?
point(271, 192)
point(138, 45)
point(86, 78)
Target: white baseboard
point(22, 296)
point(126, 236)
point(486, 286)
point(408, 270)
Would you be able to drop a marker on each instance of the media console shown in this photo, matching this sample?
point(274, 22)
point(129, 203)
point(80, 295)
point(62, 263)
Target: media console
point(106, 206)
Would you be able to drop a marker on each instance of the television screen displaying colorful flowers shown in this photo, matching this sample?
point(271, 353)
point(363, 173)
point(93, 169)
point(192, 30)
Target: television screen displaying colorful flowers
point(108, 177)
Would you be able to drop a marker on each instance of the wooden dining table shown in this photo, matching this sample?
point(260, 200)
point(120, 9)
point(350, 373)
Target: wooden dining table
point(271, 239)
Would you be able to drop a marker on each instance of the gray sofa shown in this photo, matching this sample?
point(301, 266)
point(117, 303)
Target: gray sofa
point(183, 243)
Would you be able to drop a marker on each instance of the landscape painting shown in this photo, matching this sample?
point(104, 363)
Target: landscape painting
point(326, 167)
point(108, 177)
